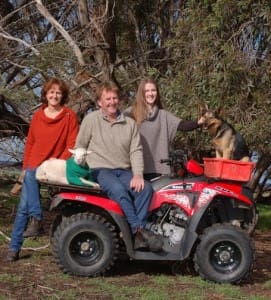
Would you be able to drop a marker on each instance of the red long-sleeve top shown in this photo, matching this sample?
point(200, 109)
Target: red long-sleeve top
point(50, 138)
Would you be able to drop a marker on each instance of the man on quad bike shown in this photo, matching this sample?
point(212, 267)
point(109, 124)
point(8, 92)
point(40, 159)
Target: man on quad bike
point(116, 161)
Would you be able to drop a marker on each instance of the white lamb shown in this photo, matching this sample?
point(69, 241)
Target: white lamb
point(71, 171)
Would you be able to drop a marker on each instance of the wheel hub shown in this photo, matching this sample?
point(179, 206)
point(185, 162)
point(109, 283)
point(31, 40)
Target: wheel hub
point(225, 256)
point(85, 246)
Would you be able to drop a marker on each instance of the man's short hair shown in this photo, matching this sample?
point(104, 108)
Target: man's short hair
point(107, 86)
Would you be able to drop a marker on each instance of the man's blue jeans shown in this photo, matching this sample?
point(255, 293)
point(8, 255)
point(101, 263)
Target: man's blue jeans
point(29, 206)
point(116, 183)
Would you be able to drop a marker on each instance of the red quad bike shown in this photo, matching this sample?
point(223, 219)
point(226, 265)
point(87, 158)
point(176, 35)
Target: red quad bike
point(203, 220)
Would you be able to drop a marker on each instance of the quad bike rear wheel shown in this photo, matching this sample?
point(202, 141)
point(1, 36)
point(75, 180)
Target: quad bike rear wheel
point(225, 254)
point(85, 245)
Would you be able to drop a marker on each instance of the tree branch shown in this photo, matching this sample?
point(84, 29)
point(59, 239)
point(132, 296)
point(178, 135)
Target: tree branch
point(44, 11)
point(9, 37)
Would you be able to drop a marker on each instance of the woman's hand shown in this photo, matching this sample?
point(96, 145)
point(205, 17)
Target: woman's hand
point(201, 120)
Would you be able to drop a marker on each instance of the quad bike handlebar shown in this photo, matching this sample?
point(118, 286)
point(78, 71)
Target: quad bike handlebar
point(175, 157)
point(178, 163)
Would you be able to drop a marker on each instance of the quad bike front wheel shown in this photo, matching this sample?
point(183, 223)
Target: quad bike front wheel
point(85, 245)
point(225, 254)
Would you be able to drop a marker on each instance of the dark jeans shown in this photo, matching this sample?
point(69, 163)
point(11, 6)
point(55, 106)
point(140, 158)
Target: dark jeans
point(29, 206)
point(116, 183)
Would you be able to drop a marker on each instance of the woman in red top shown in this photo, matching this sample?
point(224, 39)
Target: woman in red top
point(52, 132)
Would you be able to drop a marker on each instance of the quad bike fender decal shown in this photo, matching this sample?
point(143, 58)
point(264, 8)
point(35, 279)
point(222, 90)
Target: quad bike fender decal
point(178, 186)
point(205, 197)
point(100, 201)
point(184, 200)
point(180, 198)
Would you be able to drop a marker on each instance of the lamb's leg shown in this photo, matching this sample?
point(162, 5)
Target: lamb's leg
point(88, 182)
point(41, 176)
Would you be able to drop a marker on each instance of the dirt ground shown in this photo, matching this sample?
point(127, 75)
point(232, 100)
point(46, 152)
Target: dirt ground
point(36, 276)
point(27, 275)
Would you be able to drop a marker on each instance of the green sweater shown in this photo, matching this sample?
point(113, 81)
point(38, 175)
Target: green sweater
point(75, 171)
point(113, 145)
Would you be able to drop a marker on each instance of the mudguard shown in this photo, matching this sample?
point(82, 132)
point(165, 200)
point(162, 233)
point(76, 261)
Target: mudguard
point(105, 204)
point(190, 235)
point(91, 199)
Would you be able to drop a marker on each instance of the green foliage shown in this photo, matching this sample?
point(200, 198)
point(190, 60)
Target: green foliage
point(212, 64)
point(264, 222)
point(20, 96)
point(55, 59)
point(61, 62)
point(216, 51)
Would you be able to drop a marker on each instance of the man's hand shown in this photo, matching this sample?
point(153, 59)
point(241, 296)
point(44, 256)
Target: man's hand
point(137, 183)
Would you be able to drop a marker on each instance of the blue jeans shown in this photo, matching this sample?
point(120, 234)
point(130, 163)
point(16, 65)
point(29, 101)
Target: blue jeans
point(29, 206)
point(116, 183)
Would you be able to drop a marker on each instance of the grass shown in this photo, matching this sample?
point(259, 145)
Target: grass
point(10, 278)
point(264, 222)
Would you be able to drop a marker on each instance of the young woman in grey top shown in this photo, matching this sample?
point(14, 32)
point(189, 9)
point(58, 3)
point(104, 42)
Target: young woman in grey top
point(157, 127)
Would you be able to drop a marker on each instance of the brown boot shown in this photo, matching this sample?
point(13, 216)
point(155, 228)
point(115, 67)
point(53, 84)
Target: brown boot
point(12, 256)
point(146, 238)
point(34, 228)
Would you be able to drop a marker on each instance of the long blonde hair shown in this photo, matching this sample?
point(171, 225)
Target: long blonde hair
point(139, 108)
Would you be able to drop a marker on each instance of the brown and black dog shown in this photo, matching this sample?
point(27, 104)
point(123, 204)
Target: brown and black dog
point(229, 144)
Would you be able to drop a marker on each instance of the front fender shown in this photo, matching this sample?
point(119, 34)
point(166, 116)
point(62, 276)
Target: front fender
point(229, 209)
point(91, 199)
point(55, 202)
point(190, 235)
point(109, 206)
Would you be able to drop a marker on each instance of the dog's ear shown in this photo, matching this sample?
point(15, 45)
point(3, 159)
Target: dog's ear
point(203, 107)
point(219, 112)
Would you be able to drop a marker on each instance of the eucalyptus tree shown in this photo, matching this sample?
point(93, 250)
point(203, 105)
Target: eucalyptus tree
point(217, 51)
point(221, 53)
point(83, 41)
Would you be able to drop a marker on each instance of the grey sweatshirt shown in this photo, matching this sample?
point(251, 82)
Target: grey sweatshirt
point(113, 145)
point(157, 133)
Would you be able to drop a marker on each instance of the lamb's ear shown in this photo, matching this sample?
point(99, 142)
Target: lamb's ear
point(88, 152)
point(71, 150)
